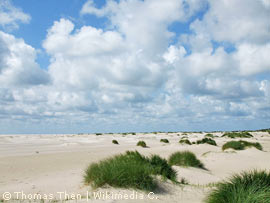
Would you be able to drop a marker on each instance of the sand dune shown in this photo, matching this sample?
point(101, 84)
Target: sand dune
point(55, 164)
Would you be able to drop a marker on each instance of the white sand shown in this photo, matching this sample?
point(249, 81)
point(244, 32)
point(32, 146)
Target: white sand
point(54, 164)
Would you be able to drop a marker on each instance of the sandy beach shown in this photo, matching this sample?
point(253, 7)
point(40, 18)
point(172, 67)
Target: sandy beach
point(53, 165)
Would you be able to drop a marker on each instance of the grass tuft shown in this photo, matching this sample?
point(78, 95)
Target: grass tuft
point(115, 142)
point(185, 141)
point(208, 141)
point(241, 145)
point(164, 140)
point(129, 170)
point(247, 187)
point(209, 135)
point(142, 144)
point(237, 134)
point(185, 158)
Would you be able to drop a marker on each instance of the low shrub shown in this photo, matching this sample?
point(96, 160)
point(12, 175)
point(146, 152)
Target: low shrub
point(185, 141)
point(98, 134)
point(129, 170)
point(208, 141)
point(185, 158)
point(164, 140)
point(247, 187)
point(115, 142)
point(241, 145)
point(237, 134)
point(142, 144)
point(209, 135)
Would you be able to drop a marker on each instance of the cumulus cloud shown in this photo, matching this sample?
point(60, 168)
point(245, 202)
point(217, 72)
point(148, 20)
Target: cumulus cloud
point(10, 15)
point(17, 63)
point(130, 72)
point(236, 21)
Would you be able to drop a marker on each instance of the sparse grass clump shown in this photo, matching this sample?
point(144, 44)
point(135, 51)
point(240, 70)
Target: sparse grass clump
point(247, 187)
point(185, 158)
point(115, 142)
point(185, 141)
point(98, 134)
point(237, 134)
point(142, 144)
point(241, 145)
point(208, 141)
point(164, 140)
point(129, 170)
point(209, 135)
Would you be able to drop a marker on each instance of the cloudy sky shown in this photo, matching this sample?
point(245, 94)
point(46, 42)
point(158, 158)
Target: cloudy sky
point(71, 66)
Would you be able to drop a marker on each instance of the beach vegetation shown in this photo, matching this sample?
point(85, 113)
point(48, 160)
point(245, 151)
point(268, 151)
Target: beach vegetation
point(142, 144)
point(241, 145)
point(185, 141)
point(247, 187)
point(207, 141)
point(129, 170)
point(186, 159)
point(243, 134)
point(164, 140)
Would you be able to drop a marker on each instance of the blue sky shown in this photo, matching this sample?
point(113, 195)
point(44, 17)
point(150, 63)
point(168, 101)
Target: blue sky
point(72, 66)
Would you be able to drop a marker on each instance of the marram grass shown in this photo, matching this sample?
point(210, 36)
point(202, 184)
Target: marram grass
point(142, 144)
point(237, 134)
point(241, 145)
point(247, 187)
point(164, 140)
point(186, 159)
point(129, 170)
point(207, 141)
point(185, 141)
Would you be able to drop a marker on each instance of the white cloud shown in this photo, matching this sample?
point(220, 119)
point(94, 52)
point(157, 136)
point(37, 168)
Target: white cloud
point(131, 73)
point(236, 21)
point(10, 15)
point(17, 63)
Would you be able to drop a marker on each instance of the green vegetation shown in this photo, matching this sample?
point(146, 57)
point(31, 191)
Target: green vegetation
point(164, 140)
point(185, 141)
point(142, 144)
point(241, 145)
point(98, 133)
point(129, 170)
point(185, 158)
point(208, 141)
point(209, 135)
point(237, 134)
point(115, 142)
point(247, 187)
point(133, 133)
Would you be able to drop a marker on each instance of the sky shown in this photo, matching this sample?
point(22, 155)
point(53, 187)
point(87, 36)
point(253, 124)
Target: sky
point(82, 66)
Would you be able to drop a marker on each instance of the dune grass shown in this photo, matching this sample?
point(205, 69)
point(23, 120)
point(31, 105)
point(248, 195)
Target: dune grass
point(185, 141)
point(186, 159)
point(98, 134)
point(142, 144)
point(164, 140)
point(115, 142)
point(241, 145)
point(209, 135)
point(247, 187)
point(207, 141)
point(237, 134)
point(129, 170)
